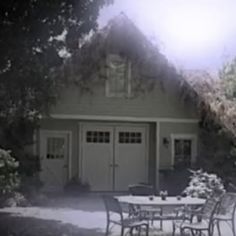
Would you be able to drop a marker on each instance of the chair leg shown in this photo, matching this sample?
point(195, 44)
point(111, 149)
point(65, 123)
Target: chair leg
point(181, 231)
point(152, 219)
point(161, 224)
point(122, 231)
point(131, 231)
point(212, 227)
point(147, 229)
point(233, 228)
point(107, 228)
point(173, 229)
point(139, 230)
point(218, 228)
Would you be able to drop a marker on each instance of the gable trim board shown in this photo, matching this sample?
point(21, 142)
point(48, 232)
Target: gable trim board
point(123, 118)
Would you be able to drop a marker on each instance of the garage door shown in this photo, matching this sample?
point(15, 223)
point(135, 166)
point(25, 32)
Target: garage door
point(113, 156)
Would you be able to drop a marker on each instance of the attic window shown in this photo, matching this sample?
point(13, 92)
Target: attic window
point(118, 76)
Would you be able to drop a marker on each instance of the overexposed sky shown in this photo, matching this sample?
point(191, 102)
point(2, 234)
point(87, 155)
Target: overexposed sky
point(193, 34)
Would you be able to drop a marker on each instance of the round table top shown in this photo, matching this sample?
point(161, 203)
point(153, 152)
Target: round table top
point(157, 201)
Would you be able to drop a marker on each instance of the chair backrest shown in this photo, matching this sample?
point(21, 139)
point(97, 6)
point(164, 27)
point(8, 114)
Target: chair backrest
point(227, 205)
point(141, 190)
point(112, 205)
point(209, 208)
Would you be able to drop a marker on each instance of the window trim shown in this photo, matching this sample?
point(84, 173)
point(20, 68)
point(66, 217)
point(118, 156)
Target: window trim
point(130, 137)
point(95, 138)
point(127, 92)
point(193, 138)
point(49, 150)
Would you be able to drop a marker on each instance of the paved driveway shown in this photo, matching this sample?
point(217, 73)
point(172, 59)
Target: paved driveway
point(84, 216)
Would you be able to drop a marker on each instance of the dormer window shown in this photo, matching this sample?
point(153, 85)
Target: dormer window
point(118, 76)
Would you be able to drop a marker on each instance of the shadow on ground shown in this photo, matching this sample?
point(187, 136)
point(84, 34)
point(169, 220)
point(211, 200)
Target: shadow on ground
point(11, 225)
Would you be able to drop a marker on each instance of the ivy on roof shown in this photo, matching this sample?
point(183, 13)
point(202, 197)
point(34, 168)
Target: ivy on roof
point(122, 37)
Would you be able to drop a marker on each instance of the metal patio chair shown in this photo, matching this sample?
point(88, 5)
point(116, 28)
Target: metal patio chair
point(141, 190)
point(199, 220)
point(226, 212)
point(115, 216)
point(149, 213)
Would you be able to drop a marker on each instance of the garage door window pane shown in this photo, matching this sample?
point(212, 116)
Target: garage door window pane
point(130, 137)
point(97, 137)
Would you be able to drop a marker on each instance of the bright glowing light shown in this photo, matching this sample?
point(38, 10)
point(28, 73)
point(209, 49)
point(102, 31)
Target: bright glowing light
point(192, 33)
point(194, 26)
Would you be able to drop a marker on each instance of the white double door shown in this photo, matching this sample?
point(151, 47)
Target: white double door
point(113, 156)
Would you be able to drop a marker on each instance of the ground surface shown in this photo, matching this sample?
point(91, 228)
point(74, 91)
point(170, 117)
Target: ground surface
point(84, 216)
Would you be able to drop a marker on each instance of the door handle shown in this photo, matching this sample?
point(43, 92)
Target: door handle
point(65, 166)
point(111, 165)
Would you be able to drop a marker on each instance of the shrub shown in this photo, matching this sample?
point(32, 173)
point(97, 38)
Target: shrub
point(204, 185)
point(9, 179)
point(29, 164)
point(14, 199)
point(76, 186)
point(30, 185)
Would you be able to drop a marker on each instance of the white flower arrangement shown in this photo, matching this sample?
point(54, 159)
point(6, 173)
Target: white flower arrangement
point(204, 185)
point(163, 194)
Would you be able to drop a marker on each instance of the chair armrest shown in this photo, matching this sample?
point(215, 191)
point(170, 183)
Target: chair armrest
point(187, 213)
point(191, 211)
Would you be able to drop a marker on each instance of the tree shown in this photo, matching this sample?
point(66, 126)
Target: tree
point(228, 79)
point(36, 37)
point(218, 126)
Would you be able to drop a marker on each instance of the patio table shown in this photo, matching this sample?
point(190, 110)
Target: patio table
point(157, 201)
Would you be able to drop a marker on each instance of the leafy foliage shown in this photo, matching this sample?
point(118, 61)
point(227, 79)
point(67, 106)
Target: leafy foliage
point(36, 37)
point(216, 105)
point(204, 185)
point(123, 38)
point(215, 99)
point(75, 186)
point(217, 151)
point(32, 36)
point(9, 179)
point(228, 79)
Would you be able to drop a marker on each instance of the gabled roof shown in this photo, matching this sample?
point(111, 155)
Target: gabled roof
point(122, 36)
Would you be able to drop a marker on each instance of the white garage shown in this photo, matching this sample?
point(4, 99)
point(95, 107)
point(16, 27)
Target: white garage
point(113, 155)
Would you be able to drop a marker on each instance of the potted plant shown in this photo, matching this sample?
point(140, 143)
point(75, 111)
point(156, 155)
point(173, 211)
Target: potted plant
point(76, 187)
point(163, 194)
